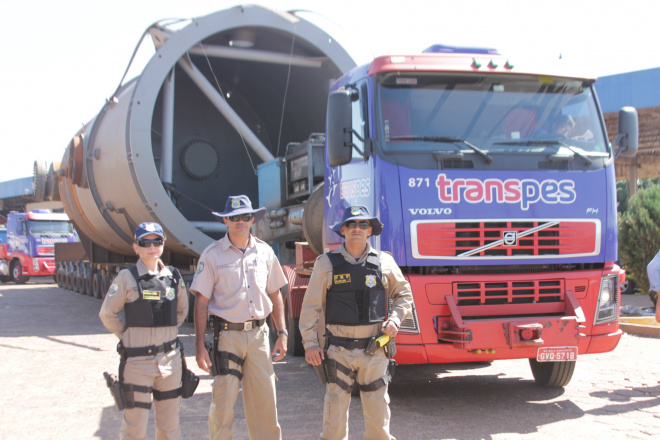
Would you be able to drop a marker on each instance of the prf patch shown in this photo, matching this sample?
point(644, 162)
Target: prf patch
point(370, 281)
point(170, 294)
point(114, 287)
point(342, 279)
point(200, 268)
point(151, 295)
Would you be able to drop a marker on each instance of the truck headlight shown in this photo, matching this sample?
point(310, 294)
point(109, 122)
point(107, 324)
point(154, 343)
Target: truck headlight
point(35, 264)
point(608, 299)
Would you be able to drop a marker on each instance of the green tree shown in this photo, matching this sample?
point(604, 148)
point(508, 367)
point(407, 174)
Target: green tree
point(639, 233)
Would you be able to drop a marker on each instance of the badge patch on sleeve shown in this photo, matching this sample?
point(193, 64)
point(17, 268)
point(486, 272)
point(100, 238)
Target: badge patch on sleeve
point(151, 295)
point(170, 294)
point(200, 268)
point(342, 279)
point(114, 287)
point(370, 280)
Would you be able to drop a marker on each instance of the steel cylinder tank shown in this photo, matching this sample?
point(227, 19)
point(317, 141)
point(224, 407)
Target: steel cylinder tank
point(221, 95)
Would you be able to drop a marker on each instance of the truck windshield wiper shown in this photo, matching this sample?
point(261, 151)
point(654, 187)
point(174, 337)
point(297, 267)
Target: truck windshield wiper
point(574, 150)
point(446, 139)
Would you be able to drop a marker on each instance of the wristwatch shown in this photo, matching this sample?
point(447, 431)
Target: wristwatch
point(282, 332)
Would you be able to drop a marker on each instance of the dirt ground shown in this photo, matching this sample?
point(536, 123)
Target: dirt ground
point(53, 350)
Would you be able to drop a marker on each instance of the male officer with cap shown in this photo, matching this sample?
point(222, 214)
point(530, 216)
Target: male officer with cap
point(352, 286)
point(144, 307)
point(238, 280)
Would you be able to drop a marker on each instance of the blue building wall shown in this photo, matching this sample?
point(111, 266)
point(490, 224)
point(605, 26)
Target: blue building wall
point(640, 89)
point(16, 188)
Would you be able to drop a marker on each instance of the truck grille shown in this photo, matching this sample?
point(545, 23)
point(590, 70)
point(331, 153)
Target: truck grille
point(474, 239)
point(509, 292)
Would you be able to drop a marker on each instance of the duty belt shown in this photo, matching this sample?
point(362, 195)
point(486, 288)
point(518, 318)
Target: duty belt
point(349, 343)
point(223, 324)
point(147, 351)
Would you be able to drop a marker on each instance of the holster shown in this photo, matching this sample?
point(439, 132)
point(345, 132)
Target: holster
point(214, 364)
point(321, 372)
point(390, 349)
point(189, 380)
point(115, 390)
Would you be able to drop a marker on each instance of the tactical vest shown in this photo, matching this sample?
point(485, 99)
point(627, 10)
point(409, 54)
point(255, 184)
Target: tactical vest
point(357, 295)
point(157, 300)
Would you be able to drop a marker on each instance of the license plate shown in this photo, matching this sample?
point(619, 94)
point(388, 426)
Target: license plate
point(556, 354)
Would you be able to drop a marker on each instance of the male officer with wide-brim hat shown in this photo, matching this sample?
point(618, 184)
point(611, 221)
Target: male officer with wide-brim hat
point(352, 286)
point(238, 281)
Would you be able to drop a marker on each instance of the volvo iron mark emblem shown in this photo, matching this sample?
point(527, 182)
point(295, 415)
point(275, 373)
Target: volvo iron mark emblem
point(510, 238)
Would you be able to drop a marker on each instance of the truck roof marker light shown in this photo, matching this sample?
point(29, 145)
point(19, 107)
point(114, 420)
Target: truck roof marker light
point(492, 64)
point(441, 48)
point(475, 63)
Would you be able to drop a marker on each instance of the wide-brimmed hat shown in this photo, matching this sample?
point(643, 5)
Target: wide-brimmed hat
point(358, 212)
point(148, 228)
point(237, 205)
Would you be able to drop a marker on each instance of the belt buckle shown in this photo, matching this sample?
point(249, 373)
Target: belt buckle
point(247, 325)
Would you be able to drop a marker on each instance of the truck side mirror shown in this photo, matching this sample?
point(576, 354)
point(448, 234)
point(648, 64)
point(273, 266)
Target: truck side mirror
point(628, 136)
point(339, 134)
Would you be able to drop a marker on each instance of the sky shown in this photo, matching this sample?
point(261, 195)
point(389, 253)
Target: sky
point(62, 59)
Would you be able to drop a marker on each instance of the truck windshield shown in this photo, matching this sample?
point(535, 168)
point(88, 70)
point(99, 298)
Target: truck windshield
point(46, 228)
point(498, 114)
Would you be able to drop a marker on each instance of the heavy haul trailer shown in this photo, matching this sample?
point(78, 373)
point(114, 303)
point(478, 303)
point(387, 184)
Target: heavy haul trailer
point(221, 95)
point(506, 232)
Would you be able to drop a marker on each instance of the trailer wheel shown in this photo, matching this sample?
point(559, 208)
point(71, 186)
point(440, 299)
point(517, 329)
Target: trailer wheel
point(96, 285)
point(67, 279)
point(58, 277)
point(80, 282)
point(105, 283)
point(552, 374)
point(17, 273)
point(87, 282)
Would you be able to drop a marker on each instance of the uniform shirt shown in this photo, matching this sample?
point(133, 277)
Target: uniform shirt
point(124, 289)
point(237, 284)
point(396, 286)
point(653, 271)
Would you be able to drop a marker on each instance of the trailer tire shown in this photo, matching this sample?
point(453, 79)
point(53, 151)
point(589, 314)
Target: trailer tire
point(80, 283)
point(17, 273)
point(552, 374)
point(105, 283)
point(96, 285)
point(87, 283)
point(67, 279)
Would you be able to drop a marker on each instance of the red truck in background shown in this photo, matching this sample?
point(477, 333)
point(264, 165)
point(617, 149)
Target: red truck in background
point(27, 244)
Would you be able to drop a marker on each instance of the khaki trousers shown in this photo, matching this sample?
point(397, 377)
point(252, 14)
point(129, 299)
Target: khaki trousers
point(375, 404)
point(162, 373)
point(258, 383)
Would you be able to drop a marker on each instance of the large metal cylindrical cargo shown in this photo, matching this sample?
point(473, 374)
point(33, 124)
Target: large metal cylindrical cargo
point(220, 96)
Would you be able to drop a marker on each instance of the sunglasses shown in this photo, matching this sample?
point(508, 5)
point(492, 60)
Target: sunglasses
point(352, 224)
point(245, 217)
point(144, 242)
